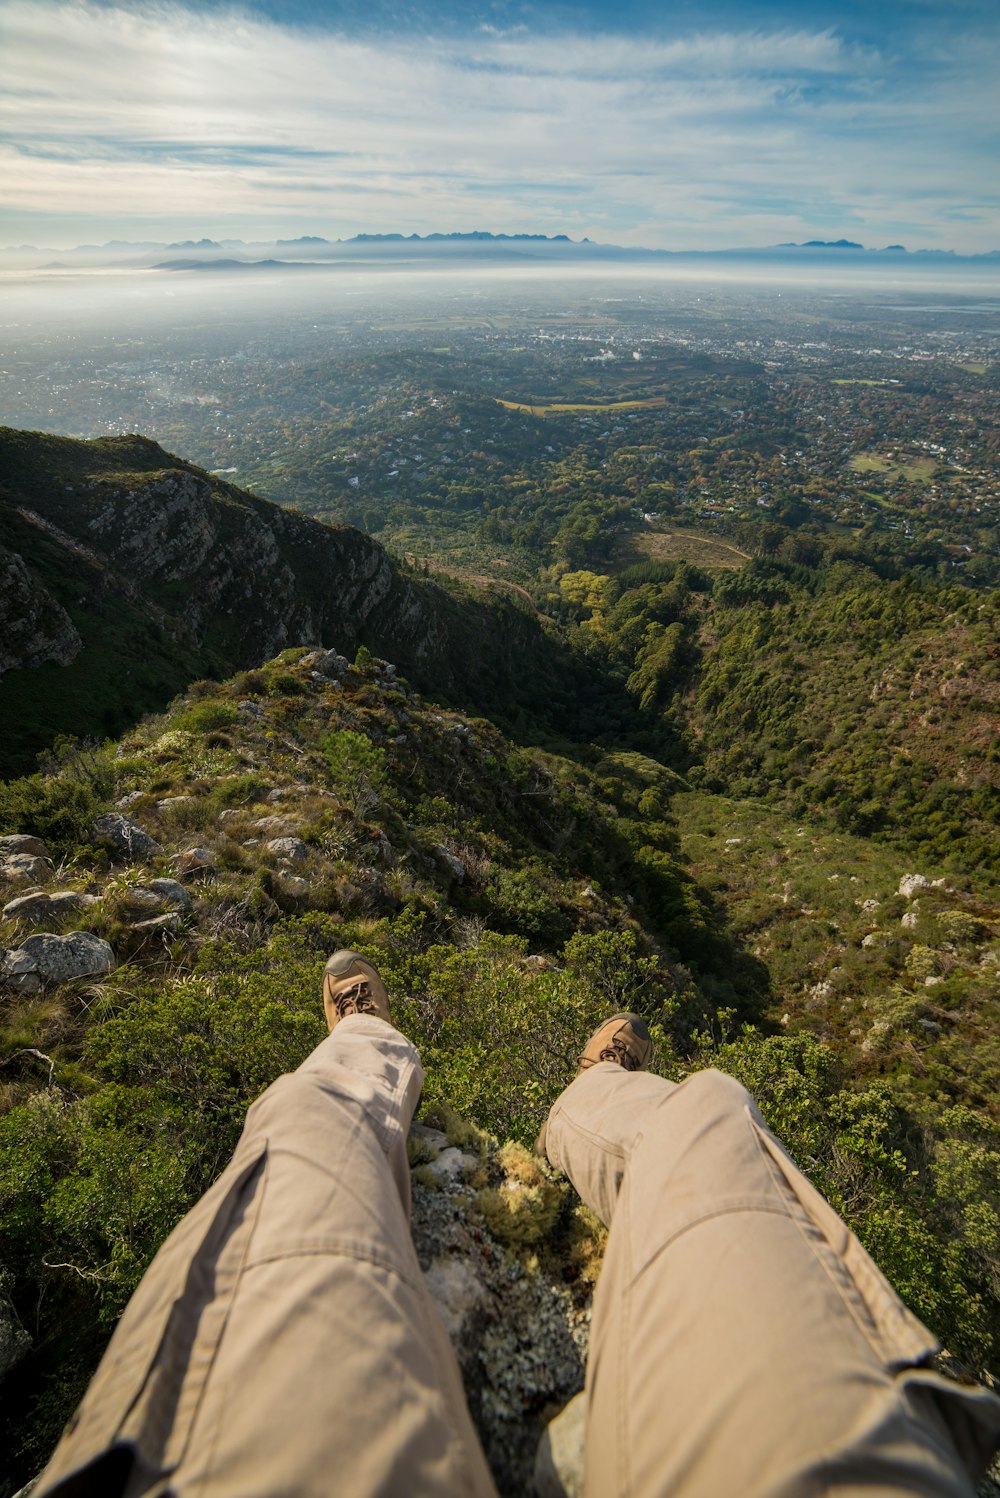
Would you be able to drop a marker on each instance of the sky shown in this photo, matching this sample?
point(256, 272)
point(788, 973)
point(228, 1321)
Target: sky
point(667, 125)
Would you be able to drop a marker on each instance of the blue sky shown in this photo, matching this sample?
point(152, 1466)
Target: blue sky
point(669, 124)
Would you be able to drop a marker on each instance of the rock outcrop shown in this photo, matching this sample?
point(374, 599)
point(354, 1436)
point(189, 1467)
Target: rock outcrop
point(507, 1283)
point(44, 960)
point(34, 628)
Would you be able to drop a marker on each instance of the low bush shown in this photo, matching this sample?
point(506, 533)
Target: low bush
point(60, 810)
point(206, 714)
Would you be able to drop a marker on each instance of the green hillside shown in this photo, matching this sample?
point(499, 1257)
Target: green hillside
point(140, 573)
point(509, 897)
point(757, 805)
point(867, 703)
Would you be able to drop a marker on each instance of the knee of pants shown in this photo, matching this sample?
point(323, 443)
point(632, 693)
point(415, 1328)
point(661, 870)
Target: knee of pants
point(719, 1093)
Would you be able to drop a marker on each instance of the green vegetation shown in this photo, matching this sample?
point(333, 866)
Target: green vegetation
point(510, 897)
point(718, 702)
point(59, 809)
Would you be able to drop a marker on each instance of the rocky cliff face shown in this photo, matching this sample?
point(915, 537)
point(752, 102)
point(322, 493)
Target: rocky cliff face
point(34, 628)
point(146, 572)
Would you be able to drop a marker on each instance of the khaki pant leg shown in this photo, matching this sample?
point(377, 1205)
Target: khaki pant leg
point(282, 1341)
point(742, 1340)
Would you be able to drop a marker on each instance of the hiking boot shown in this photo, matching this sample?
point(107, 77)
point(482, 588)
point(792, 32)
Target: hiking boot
point(623, 1039)
point(351, 985)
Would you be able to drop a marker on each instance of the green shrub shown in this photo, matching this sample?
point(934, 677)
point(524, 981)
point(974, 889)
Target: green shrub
point(357, 767)
point(522, 904)
point(205, 715)
point(960, 927)
point(239, 790)
point(88, 1191)
point(287, 684)
point(59, 810)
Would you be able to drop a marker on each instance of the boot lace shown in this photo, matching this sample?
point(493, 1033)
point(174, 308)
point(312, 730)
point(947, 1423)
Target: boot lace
point(618, 1051)
point(355, 1000)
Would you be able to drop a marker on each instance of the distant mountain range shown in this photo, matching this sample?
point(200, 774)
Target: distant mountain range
point(318, 253)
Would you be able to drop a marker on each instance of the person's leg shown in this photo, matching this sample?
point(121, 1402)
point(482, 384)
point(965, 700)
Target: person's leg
point(742, 1340)
point(283, 1341)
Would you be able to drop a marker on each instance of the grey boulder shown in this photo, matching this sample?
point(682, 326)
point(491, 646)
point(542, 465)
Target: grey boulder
point(41, 907)
point(157, 896)
point(22, 842)
point(46, 959)
point(124, 837)
point(171, 893)
point(170, 920)
point(451, 860)
point(195, 863)
point(292, 849)
point(24, 868)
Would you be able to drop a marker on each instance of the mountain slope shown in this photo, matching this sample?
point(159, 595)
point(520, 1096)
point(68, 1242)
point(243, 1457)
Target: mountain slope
point(510, 898)
point(130, 573)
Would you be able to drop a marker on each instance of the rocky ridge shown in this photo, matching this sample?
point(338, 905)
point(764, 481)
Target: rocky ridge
point(116, 551)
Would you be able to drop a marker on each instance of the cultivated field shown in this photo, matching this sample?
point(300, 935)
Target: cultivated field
point(916, 470)
point(674, 545)
point(565, 408)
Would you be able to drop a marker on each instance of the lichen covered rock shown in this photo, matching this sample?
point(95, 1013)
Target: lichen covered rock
point(44, 960)
point(125, 838)
point(519, 1319)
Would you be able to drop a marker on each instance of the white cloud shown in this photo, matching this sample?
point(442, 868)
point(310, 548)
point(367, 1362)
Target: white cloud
point(222, 119)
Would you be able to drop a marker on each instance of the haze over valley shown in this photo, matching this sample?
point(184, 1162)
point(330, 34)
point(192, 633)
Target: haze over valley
point(416, 404)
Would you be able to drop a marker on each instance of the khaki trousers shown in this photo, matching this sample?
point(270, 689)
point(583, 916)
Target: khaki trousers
point(743, 1343)
point(283, 1343)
